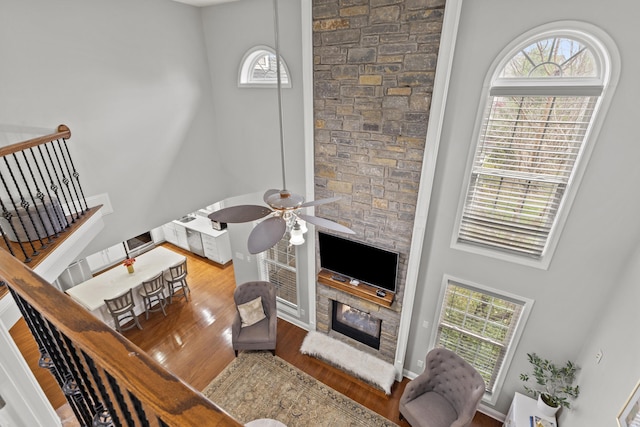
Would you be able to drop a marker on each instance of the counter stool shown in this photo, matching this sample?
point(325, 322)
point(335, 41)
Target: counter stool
point(153, 291)
point(121, 309)
point(176, 278)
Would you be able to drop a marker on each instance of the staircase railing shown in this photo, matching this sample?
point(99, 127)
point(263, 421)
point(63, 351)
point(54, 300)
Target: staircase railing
point(106, 379)
point(40, 193)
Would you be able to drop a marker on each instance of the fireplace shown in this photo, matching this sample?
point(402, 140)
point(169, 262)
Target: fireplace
point(356, 324)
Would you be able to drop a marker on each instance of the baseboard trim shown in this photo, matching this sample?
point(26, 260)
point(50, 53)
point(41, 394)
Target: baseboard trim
point(490, 412)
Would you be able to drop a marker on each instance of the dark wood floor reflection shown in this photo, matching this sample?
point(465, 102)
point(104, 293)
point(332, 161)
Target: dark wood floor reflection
point(194, 342)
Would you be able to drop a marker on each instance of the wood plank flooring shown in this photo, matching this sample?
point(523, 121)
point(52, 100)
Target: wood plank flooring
point(194, 342)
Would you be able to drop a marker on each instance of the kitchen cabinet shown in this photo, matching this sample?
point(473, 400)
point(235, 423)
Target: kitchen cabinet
point(175, 234)
point(217, 248)
point(157, 234)
point(106, 258)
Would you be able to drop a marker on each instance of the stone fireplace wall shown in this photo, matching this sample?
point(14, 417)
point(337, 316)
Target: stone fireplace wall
point(374, 67)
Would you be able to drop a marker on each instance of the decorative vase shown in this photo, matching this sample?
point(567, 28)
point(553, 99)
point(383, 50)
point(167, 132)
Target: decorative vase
point(545, 409)
point(130, 269)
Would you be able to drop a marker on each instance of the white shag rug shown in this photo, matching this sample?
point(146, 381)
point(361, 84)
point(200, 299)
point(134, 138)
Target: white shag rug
point(358, 363)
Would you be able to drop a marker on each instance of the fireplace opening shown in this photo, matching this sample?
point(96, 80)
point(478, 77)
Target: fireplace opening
point(356, 324)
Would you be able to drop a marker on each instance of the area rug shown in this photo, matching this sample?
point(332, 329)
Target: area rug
point(259, 385)
point(358, 363)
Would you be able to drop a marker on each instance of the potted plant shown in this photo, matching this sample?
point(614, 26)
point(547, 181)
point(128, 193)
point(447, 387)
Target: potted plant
point(553, 384)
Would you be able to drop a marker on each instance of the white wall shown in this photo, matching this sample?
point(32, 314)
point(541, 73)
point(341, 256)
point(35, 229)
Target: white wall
point(131, 80)
point(602, 226)
point(247, 118)
point(607, 385)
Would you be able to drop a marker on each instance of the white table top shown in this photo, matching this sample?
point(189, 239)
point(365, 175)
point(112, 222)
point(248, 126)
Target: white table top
point(92, 293)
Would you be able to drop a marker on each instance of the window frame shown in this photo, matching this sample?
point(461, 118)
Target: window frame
point(527, 306)
point(245, 71)
point(607, 56)
point(264, 259)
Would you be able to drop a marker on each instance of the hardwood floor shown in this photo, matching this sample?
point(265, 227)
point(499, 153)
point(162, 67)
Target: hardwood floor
point(194, 342)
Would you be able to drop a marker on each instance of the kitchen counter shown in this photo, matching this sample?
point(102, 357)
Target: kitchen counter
point(215, 243)
point(202, 225)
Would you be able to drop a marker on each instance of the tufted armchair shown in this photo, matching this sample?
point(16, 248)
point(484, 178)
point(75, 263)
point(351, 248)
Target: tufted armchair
point(261, 335)
point(446, 394)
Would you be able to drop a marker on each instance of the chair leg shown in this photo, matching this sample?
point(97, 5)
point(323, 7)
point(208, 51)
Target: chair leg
point(171, 290)
point(135, 319)
point(236, 351)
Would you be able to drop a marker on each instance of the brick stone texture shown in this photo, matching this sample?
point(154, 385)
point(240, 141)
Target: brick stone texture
point(374, 66)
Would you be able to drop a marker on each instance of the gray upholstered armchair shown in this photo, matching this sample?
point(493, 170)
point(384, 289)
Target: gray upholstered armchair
point(260, 335)
point(446, 394)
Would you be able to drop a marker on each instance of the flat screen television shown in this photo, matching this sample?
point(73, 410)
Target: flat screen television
point(354, 260)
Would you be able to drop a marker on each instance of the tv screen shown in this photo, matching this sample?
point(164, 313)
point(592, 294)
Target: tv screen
point(354, 260)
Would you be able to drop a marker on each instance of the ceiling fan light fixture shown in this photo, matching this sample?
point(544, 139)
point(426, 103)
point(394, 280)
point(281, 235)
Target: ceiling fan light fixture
point(303, 225)
point(297, 236)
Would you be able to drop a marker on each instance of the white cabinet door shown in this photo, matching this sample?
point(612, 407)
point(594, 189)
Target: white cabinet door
point(170, 233)
point(157, 234)
point(218, 248)
point(106, 257)
point(181, 236)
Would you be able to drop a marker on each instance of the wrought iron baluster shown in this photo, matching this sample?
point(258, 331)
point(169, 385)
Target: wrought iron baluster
point(75, 385)
point(24, 203)
point(35, 322)
point(75, 183)
point(124, 408)
point(8, 217)
point(65, 178)
point(40, 195)
point(59, 184)
point(142, 417)
point(51, 186)
point(38, 212)
point(104, 394)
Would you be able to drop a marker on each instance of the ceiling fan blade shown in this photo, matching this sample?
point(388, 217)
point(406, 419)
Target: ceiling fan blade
point(320, 202)
point(268, 193)
point(240, 213)
point(266, 234)
point(325, 223)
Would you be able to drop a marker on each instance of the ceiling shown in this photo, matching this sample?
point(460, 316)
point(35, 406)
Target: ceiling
point(202, 3)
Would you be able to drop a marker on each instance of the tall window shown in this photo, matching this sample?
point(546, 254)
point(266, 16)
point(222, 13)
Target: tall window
point(482, 326)
point(258, 69)
point(278, 266)
point(537, 121)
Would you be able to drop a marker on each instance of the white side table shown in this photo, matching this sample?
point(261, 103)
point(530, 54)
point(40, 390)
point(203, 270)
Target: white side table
point(521, 409)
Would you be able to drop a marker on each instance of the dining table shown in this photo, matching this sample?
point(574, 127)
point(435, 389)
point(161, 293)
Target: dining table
point(117, 280)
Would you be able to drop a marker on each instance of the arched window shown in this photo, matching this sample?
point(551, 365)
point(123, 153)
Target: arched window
point(539, 119)
point(258, 69)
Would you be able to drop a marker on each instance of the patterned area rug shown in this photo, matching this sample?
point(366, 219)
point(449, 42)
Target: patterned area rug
point(259, 385)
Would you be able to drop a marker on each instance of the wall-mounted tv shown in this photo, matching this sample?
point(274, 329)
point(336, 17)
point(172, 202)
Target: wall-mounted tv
point(354, 260)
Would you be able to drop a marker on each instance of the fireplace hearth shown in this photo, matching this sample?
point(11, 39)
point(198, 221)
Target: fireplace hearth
point(356, 324)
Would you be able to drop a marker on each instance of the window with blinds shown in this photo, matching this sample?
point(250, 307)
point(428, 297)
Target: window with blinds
point(278, 266)
point(539, 111)
point(480, 326)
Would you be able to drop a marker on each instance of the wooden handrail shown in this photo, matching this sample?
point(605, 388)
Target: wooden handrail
point(169, 398)
point(63, 132)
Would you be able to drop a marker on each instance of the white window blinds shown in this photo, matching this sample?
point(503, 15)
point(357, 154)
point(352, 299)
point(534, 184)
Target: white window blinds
point(524, 160)
point(536, 122)
point(278, 266)
point(479, 326)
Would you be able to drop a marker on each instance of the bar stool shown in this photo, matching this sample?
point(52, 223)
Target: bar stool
point(121, 309)
point(152, 291)
point(176, 278)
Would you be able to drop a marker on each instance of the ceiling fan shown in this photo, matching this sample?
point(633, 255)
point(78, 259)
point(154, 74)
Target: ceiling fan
point(284, 208)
